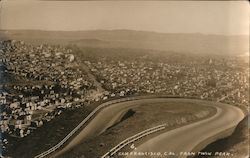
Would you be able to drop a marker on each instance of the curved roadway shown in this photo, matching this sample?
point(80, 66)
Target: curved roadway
point(195, 136)
point(187, 136)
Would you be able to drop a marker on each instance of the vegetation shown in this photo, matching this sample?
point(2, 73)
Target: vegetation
point(144, 117)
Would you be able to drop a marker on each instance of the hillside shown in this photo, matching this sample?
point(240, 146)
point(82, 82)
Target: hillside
point(195, 43)
point(237, 143)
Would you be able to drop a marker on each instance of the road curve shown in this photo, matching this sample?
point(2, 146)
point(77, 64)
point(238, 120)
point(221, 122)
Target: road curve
point(194, 136)
point(108, 116)
point(103, 120)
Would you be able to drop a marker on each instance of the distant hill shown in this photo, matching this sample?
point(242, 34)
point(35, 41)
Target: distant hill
point(195, 43)
point(91, 42)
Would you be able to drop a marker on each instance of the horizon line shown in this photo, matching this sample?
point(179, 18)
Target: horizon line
point(45, 30)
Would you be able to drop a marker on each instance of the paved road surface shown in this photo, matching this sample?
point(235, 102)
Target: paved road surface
point(109, 115)
point(186, 138)
point(103, 120)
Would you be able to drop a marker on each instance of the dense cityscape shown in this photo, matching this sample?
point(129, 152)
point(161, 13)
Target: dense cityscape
point(206, 79)
point(45, 79)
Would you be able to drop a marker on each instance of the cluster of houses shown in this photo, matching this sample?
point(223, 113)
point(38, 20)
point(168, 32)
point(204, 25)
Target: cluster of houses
point(46, 80)
point(49, 78)
point(203, 78)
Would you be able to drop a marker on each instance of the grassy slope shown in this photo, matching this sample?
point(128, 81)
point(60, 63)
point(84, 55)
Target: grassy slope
point(145, 117)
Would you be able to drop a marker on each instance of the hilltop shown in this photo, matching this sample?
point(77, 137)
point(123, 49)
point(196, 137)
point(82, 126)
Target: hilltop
point(177, 42)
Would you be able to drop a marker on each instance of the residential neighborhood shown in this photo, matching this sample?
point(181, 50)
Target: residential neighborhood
point(199, 77)
point(45, 79)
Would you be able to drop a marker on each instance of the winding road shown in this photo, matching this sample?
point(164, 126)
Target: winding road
point(186, 138)
point(193, 137)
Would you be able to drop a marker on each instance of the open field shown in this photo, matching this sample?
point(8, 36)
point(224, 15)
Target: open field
point(173, 112)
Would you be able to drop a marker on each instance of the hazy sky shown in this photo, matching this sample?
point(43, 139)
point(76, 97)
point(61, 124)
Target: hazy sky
point(214, 17)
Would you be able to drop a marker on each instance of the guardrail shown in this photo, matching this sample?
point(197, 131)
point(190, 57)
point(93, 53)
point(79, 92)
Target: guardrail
point(54, 148)
point(133, 138)
point(65, 139)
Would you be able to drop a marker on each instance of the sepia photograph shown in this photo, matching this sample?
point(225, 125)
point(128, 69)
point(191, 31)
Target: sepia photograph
point(124, 79)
